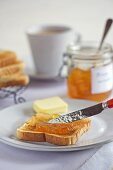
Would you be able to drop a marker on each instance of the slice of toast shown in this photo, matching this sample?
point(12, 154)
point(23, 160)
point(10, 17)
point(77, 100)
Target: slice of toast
point(7, 54)
point(9, 70)
point(20, 80)
point(7, 58)
point(58, 134)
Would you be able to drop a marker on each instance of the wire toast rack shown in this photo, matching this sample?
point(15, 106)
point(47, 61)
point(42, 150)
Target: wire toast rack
point(13, 92)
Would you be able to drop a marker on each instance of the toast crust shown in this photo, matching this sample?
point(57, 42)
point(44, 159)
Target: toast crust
point(27, 133)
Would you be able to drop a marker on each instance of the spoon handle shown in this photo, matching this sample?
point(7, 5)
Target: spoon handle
point(107, 27)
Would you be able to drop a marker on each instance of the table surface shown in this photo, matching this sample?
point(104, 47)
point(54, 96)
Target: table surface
point(86, 17)
point(24, 159)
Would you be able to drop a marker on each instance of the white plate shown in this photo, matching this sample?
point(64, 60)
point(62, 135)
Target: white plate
point(100, 133)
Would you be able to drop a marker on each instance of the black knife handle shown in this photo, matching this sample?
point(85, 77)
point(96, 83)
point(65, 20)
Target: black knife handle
point(93, 110)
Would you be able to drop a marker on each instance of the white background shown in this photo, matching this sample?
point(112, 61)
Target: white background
point(85, 16)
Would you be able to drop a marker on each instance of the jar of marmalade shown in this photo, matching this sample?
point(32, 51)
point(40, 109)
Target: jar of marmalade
point(90, 72)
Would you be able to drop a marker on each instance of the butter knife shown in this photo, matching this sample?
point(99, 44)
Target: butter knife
point(83, 113)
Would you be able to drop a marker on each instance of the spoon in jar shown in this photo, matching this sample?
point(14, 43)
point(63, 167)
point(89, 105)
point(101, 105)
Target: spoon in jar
point(106, 30)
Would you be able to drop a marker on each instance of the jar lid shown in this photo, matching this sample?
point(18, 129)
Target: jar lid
point(89, 51)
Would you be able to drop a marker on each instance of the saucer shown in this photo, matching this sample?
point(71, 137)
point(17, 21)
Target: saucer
point(39, 76)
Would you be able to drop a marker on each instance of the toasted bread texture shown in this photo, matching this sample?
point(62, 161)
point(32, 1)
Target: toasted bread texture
point(38, 130)
point(20, 80)
point(7, 58)
point(11, 70)
point(17, 67)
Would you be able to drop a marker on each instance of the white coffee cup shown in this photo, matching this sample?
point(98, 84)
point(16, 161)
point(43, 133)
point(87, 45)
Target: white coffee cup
point(48, 44)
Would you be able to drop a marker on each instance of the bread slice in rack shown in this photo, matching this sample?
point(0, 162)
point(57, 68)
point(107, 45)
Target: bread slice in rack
point(14, 80)
point(58, 134)
point(7, 58)
point(9, 70)
point(7, 53)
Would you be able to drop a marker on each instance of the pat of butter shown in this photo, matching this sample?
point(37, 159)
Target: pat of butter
point(50, 105)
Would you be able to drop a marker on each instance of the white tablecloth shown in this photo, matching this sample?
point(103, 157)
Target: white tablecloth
point(14, 158)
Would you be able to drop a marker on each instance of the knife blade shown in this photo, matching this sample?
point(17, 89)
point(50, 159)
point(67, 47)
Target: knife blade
point(83, 113)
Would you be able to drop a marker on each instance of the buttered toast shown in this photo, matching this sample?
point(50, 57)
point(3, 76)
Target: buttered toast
point(37, 129)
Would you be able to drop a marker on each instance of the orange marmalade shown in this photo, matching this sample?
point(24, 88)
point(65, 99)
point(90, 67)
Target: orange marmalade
point(90, 73)
point(61, 128)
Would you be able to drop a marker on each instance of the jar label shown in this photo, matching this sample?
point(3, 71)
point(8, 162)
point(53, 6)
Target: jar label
point(102, 79)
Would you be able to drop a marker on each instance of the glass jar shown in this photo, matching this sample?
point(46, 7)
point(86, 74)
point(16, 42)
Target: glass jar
point(90, 72)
